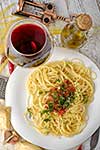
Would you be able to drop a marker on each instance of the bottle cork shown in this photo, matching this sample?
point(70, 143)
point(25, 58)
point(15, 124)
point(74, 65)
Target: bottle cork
point(84, 22)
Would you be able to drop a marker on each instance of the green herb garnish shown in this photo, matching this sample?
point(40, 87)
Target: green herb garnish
point(44, 111)
point(62, 88)
point(58, 80)
point(66, 104)
point(55, 95)
point(50, 109)
point(61, 100)
point(50, 105)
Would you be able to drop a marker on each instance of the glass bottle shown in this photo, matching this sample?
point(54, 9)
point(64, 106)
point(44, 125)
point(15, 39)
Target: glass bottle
point(75, 33)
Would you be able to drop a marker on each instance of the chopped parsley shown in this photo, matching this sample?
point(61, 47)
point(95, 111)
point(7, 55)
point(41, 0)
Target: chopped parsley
point(55, 95)
point(50, 106)
point(62, 88)
point(66, 104)
point(61, 100)
point(58, 80)
point(44, 111)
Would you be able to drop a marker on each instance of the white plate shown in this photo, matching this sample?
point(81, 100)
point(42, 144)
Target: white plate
point(16, 97)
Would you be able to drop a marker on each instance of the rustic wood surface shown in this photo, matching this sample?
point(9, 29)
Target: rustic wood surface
point(91, 48)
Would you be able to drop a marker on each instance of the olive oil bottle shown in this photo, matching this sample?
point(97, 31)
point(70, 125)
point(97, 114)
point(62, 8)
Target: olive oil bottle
point(75, 33)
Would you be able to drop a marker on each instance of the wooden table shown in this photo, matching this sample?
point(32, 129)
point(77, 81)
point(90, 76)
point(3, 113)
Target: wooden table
point(91, 48)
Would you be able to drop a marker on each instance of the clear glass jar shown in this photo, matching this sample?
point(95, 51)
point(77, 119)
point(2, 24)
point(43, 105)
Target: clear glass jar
point(75, 34)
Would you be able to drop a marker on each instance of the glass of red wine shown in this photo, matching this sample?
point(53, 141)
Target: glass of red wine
point(29, 43)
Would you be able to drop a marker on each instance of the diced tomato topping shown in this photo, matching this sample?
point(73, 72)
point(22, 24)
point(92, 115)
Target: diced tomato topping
point(53, 89)
point(55, 110)
point(55, 106)
point(71, 89)
point(67, 81)
point(59, 94)
point(46, 106)
point(61, 112)
point(50, 98)
point(66, 93)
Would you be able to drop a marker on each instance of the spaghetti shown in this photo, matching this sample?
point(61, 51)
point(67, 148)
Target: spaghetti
point(60, 93)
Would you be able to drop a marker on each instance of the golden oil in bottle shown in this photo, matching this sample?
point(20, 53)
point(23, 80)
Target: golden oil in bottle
point(75, 34)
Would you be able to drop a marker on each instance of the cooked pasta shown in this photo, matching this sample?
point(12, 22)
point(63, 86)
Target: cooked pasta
point(59, 95)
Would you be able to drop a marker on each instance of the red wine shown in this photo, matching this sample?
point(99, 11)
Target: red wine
point(28, 38)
